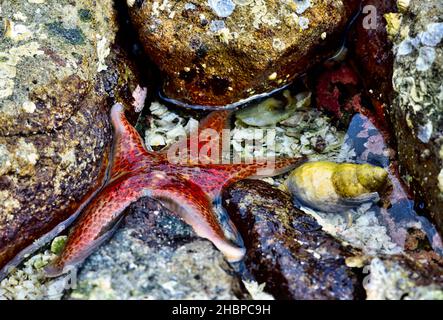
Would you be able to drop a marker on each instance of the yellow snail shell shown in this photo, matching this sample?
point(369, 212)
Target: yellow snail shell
point(334, 187)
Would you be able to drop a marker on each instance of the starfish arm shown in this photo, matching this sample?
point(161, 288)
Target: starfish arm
point(97, 222)
point(129, 150)
point(208, 134)
point(217, 120)
point(262, 168)
point(192, 204)
point(212, 178)
point(100, 218)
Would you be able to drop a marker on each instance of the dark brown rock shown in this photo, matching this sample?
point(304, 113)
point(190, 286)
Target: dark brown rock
point(372, 52)
point(49, 175)
point(286, 248)
point(209, 60)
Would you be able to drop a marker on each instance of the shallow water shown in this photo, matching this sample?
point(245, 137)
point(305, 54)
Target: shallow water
point(370, 147)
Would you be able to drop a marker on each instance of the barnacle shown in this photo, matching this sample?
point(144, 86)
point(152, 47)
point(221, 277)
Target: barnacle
point(403, 5)
point(393, 23)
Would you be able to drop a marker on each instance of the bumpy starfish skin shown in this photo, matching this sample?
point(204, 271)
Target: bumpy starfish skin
point(187, 189)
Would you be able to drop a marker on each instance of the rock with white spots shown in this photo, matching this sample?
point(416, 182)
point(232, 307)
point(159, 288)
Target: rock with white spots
point(417, 111)
point(50, 54)
point(402, 278)
point(218, 52)
point(59, 72)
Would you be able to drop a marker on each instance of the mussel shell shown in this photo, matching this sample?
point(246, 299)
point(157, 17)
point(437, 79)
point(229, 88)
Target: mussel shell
point(271, 111)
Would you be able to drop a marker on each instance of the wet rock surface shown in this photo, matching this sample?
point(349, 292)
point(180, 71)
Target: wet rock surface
point(58, 75)
point(372, 51)
point(286, 248)
point(417, 111)
point(155, 255)
point(215, 53)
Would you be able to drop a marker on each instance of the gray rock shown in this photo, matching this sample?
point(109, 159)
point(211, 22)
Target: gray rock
point(417, 111)
point(155, 255)
point(399, 277)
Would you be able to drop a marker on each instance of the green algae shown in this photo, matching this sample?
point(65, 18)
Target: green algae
point(58, 244)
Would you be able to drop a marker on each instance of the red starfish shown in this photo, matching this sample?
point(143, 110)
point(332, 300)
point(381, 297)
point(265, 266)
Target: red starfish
point(187, 189)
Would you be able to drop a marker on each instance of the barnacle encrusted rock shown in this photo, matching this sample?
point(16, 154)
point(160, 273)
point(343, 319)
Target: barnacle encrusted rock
point(417, 111)
point(286, 248)
point(213, 53)
point(58, 74)
point(400, 277)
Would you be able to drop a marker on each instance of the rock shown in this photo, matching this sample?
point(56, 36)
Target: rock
point(417, 111)
point(371, 51)
point(50, 55)
point(156, 255)
point(215, 53)
point(402, 278)
point(58, 75)
point(330, 98)
point(329, 186)
point(286, 248)
point(47, 175)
